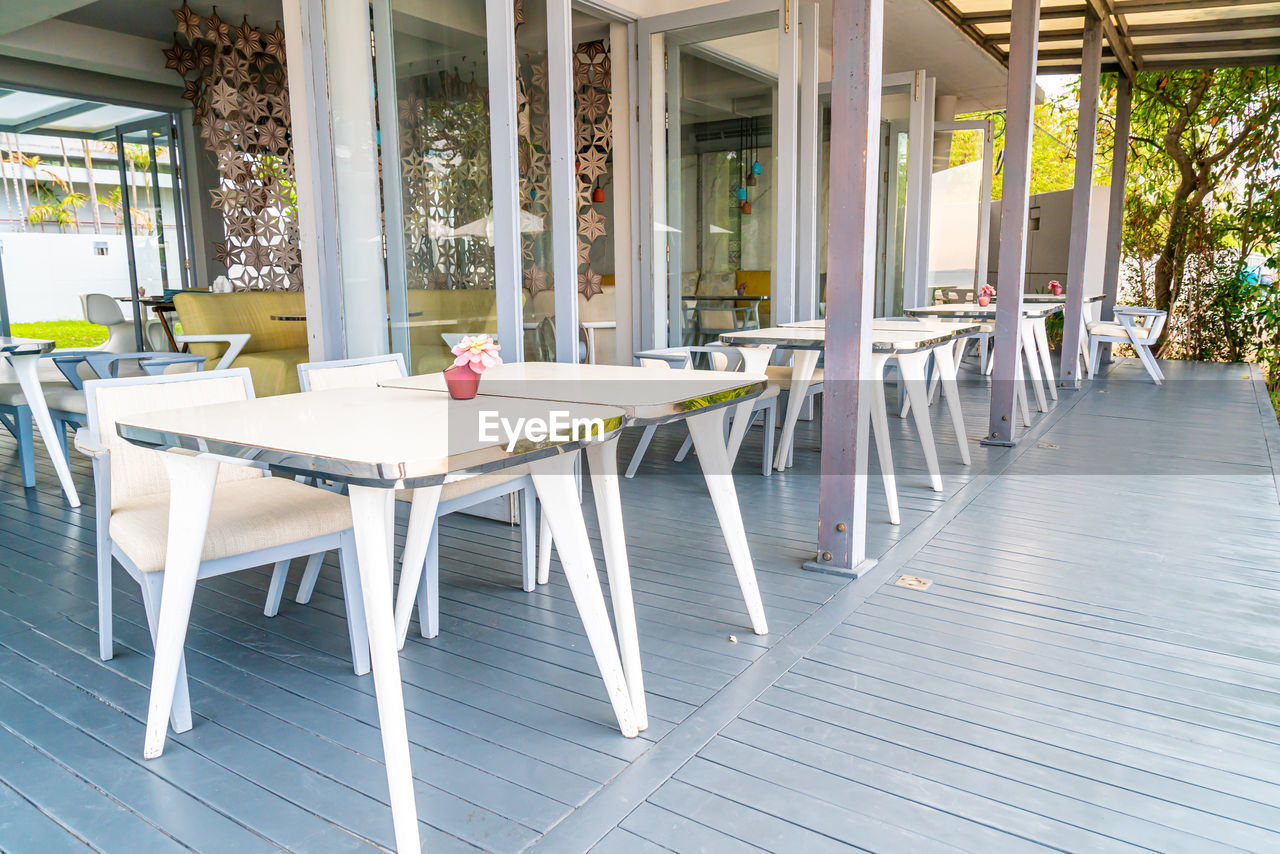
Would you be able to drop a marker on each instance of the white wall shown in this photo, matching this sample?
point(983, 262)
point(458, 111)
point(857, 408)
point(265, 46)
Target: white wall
point(44, 274)
point(1047, 244)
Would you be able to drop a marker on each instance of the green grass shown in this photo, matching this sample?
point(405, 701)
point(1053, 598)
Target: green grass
point(66, 333)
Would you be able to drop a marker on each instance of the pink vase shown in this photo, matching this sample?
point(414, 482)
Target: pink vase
point(461, 381)
point(984, 301)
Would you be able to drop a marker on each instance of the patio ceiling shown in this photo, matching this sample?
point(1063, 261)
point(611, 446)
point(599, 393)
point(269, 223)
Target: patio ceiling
point(51, 115)
point(1140, 34)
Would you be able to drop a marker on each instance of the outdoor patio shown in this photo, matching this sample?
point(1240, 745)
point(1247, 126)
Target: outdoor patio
point(1095, 666)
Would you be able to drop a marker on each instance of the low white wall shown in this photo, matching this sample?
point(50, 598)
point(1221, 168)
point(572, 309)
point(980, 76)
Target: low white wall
point(1047, 244)
point(44, 274)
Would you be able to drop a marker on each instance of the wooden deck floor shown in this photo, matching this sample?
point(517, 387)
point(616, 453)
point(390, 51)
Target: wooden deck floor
point(1096, 666)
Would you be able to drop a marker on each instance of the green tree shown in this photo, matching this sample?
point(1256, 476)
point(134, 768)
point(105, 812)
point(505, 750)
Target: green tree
point(1205, 148)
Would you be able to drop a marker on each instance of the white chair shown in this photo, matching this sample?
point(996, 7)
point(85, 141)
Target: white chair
point(677, 358)
point(1137, 326)
point(255, 519)
point(460, 494)
point(104, 310)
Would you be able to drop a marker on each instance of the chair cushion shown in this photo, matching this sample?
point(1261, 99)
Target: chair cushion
point(274, 371)
point(243, 311)
point(247, 516)
point(11, 394)
point(63, 397)
point(780, 375)
point(1112, 329)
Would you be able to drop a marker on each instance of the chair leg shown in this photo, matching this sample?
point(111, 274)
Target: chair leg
point(544, 547)
point(429, 591)
point(684, 449)
point(528, 539)
point(641, 447)
point(1149, 362)
point(307, 585)
point(770, 425)
point(353, 599)
point(106, 631)
point(152, 592)
point(275, 591)
point(26, 445)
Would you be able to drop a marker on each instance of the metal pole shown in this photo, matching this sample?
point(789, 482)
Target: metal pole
point(159, 209)
point(178, 181)
point(4, 300)
point(787, 119)
point(564, 177)
point(1081, 202)
point(505, 175)
point(1115, 214)
point(1024, 32)
point(126, 223)
point(810, 157)
point(857, 28)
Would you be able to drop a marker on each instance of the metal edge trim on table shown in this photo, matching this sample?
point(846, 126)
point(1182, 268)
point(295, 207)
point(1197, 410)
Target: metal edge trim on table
point(26, 346)
point(820, 344)
point(347, 471)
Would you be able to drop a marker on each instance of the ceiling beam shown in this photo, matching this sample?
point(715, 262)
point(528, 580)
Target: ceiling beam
point(1214, 62)
point(1102, 10)
point(1137, 7)
point(952, 14)
point(1224, 45)
point(1001, 16)
point(1046, 37)
point(1212, 25)
point(47, 118)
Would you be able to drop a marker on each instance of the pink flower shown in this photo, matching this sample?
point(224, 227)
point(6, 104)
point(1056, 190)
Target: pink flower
point(1056, 287)
point(478, 352)
point(987, 291)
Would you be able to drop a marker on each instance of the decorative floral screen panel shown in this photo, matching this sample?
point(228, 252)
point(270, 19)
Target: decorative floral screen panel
point(235, 79)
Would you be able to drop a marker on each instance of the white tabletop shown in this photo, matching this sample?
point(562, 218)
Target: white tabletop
point(973, 311)
point(370, 436)
point(646, 395)
point(25, 346)
point(811, 336)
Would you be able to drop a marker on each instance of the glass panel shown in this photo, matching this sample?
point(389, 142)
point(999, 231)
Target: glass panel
point(720, 217)
point(444, 172)
point(593, 122)
point(955, 213)
point(533, 112)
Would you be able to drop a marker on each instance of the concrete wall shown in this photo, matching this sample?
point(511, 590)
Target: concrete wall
point(1048, 236)
point(44, 274)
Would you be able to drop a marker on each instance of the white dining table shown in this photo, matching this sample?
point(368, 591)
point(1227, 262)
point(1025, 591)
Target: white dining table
point(911, 344)
point(373, 440)
point(24, 355)
point(645, 396)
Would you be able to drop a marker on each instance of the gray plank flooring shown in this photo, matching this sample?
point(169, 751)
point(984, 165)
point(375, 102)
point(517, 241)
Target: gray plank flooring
point(1095, 667)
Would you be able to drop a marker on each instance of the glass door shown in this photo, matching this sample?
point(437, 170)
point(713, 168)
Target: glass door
point(959, 211)
point(721, 169)
point(153, 216)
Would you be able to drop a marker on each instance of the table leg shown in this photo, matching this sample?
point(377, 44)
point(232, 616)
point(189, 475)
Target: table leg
point(880, 427)
point(26, 367)
point(168, 330)
point(602, 461)
point(1084, 344)
point(912, 365)
point(801, 373)
point(1020, 388)
point(706, 428)
point(422, 519)
point(946, 366)
point(372, 512)
point(1033, 362)
point(1046, 358)
point(191, 483)
point(557, 487)
point(743, 414)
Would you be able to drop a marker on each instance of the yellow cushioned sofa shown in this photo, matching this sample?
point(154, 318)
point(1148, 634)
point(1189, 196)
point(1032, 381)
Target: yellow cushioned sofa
point(433, 314)
point(275, 347)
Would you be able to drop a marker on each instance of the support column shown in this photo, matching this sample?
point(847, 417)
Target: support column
point(505, 172)
point(1081, 202)
point(783, 298)
point(809, 156)
point(857, 30)
point(1115, 213)
point(1020, 111)
point(564, 178)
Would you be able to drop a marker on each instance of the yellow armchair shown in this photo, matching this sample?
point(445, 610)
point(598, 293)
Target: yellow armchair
point(275, 347)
